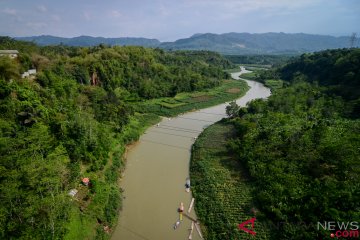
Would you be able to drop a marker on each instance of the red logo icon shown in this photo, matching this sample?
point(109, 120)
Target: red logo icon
point(242, 226)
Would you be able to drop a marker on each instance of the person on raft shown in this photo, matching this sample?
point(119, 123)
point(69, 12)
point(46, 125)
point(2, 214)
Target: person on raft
point(176, 224)
point(187, 185)
point(181, 208)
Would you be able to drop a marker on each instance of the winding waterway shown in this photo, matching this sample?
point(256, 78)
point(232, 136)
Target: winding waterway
point(156, 170)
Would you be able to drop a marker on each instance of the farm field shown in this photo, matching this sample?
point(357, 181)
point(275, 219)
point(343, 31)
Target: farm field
point(221, 187)
point(183, 102)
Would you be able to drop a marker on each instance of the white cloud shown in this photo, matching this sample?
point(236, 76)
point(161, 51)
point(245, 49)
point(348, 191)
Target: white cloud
point(36, 25)
point(41, 8)
point(56, 18)
point(87, 15)
point(241, 6)
point(227, 11)
point(15, 16)
point(115, 14)
point(164, 11)
point(10, 11)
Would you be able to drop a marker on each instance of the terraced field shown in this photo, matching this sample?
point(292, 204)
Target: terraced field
point(228, 90)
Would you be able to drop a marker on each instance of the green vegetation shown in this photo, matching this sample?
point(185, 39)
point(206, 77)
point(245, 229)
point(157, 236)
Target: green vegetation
point(87, 41)
point(300, 149)
point(302, 155)
point(73, 120)
point(250, 75)
point(337, 70)
point(259, 60)
point(256, 74)
point(183, 102)
point(274, 84)
point(233, 70)
point(255, 67)
point(221, 187)
point(268, 76)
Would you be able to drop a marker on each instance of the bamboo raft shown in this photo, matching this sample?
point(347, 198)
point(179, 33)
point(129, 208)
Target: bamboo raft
point(191, 218)
point(194, 222)
point(191, 205)
point(191, 230)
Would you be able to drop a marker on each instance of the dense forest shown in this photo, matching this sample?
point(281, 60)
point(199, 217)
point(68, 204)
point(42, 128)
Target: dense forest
point(301, 146)
point(71, 121)
point(336, 70)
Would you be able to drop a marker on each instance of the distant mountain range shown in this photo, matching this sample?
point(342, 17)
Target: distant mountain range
point(86, 41)
point(227, 43)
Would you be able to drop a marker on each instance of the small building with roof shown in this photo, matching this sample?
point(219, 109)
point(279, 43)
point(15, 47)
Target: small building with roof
point(30, 72)
point(9, 53)
point(86, 181)
point(73, 192)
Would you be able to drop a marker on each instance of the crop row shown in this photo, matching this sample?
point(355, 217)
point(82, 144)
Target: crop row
point(223, 194)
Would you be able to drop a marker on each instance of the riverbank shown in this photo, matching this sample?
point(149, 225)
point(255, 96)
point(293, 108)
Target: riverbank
point(255, 75)
point(157, 168)
point(95, 213)
point(221, 186)
point(183, 102)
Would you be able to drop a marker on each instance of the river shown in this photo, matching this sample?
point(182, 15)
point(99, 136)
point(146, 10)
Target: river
point(156, 170)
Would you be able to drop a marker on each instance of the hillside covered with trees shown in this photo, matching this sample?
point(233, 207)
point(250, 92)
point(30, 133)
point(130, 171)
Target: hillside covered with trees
point(227, 43)
point(336, 71)
point(299, 149)
point(72, 121)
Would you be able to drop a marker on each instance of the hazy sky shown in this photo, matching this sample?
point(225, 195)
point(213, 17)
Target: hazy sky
point(169, 20)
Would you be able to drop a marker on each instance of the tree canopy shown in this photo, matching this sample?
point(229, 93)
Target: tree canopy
point(301, 146)
point(61, 125)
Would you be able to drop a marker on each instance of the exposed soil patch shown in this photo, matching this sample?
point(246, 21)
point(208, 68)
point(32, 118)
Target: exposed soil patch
point(233, 90)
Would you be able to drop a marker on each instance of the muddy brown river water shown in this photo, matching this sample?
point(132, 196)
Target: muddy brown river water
point(156, 171)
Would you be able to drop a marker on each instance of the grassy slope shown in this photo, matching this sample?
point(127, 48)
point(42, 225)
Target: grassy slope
point(220, 187)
